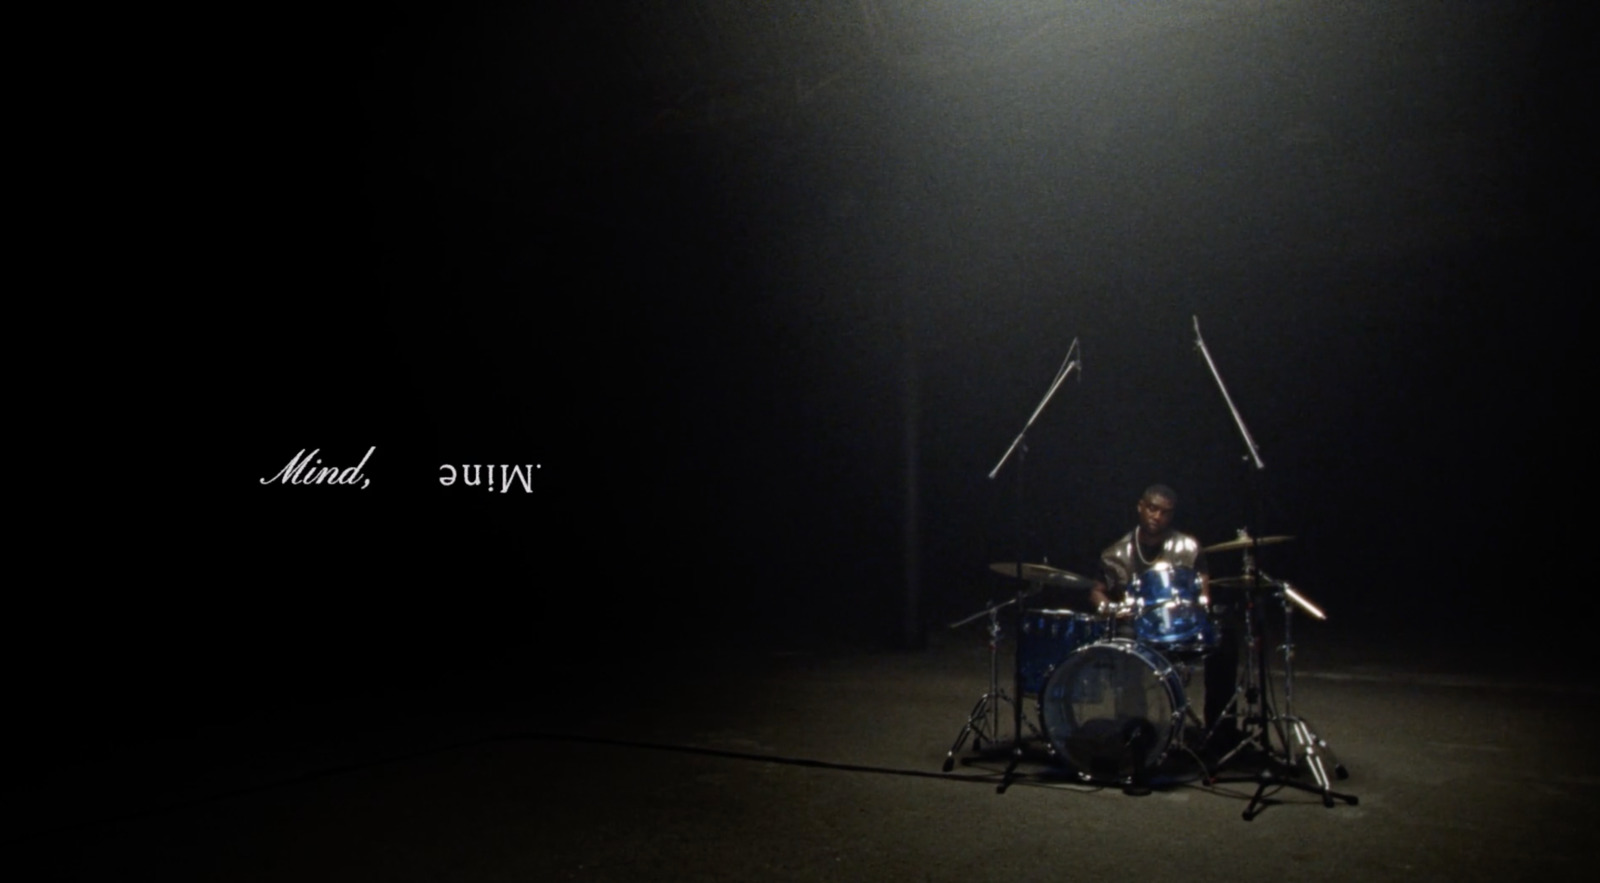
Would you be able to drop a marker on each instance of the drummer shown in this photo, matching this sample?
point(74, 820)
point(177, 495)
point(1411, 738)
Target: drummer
point(1152, 543)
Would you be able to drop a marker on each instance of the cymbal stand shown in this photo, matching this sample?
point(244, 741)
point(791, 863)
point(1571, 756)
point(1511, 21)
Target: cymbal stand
point(1303, 749)
point(1249, 696)
point(983, 723)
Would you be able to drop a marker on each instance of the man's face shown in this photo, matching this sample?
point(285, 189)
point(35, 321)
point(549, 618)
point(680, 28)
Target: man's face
point(1155, 515)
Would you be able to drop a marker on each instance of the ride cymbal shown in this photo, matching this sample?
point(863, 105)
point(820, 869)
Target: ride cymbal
point(1245, 543)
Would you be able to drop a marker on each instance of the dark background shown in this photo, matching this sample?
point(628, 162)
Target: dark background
point(767, 289)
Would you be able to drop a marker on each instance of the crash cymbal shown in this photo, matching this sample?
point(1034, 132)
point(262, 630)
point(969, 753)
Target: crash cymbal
point(1043, 573)
point(1245, 543)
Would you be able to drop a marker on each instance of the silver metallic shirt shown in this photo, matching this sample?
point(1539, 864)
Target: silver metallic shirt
point(1122, 562)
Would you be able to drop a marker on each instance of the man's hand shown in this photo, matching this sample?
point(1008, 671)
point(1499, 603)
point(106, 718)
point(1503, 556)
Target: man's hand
point(1098, 597)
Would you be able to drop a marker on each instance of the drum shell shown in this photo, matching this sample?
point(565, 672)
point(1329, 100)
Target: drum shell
point(1171, 612)
point(1050, 636)
point(1112, 709)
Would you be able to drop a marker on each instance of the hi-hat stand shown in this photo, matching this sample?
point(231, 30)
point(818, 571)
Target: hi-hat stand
point(1247, 709)
point(1303, 751)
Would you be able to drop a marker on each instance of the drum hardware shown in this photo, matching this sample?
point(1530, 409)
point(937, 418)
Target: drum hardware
point(1303, 749)
point(1114, 709)
point(1111, 709)
point(1249, 702)
point(983, 723)
point(1241, 582)
point(1245, 710)
point(1046, 637)
point(1247, 707)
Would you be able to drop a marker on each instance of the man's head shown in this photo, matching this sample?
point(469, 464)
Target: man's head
point(1155, 510)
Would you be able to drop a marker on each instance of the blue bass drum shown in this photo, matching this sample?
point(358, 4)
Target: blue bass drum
point(1049, 636)
point(1112, 710)
point(1170, 613)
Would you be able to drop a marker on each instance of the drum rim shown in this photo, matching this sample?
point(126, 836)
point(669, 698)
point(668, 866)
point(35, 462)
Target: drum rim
point(1146, 613)
point(1166, 674)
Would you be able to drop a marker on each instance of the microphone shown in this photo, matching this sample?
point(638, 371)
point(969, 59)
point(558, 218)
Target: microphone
point(1067, 364)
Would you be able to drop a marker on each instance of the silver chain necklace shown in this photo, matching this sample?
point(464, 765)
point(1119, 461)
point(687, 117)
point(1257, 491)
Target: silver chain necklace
point(1138, 549)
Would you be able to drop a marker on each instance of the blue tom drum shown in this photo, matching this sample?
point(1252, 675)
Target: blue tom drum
point(1048, 637)
point(1171, 615)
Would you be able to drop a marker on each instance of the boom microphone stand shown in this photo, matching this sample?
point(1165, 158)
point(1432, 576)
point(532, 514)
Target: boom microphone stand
point(1253, 713)
point(1019, 444)
point(1258, 724)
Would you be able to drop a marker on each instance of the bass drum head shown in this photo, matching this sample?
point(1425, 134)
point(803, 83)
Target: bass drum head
point(1111, 709)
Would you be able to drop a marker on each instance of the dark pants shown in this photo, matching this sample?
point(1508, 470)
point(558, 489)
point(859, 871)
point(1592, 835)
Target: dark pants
point(1222, 666)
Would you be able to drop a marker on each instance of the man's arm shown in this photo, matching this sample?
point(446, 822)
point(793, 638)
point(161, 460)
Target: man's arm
point(1098, 596)
point(1114, 578)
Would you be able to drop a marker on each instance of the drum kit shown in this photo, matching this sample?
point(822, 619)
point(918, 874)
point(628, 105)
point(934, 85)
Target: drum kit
point(1108, 687)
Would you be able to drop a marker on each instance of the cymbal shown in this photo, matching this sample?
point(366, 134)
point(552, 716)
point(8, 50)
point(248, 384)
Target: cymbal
point(1245, 543)
point(1244, 581)
point(1043, 573)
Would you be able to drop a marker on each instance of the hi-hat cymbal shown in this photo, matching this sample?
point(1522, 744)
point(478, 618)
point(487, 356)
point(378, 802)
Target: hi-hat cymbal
point(1043, 573)
point(1243, 581)
point(1245, 543)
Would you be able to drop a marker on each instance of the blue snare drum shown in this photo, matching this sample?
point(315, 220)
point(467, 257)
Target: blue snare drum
point(1170, 613)
point(1049, 636)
